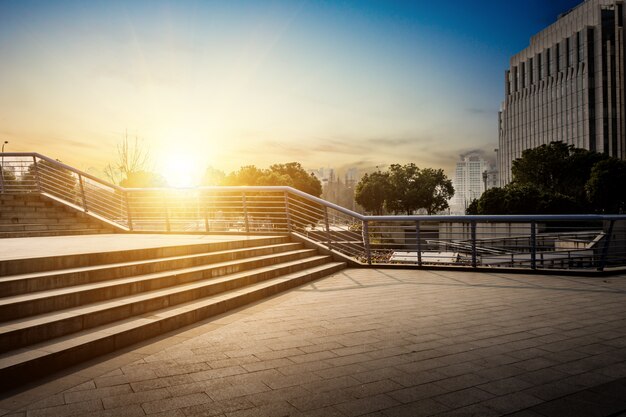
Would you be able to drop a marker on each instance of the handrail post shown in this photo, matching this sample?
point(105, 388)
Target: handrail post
point(245, 212)
point(129, 216)
point(605, 248)
point(533, 245)
point(473, 240)
point(166, 211)
point(205, 211)
point(328, 236)
point(82, 192)
point(287, 212)
point(37, 178)
point(366, 242)
point(418, 240)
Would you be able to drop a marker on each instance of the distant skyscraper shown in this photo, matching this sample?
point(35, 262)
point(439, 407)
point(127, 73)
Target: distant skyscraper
point(568, 85)
point(351, 177)
point(325, 175)
point(472, 176)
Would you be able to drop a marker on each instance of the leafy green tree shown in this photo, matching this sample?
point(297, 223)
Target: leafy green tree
point(405, 189)
point(403, 195)
point(493, 201)
point(606, 187)
point(371, 191)
point(434, 190)
point(473, 207)
point(557, 168)
point(412, 189)
point(291, 174)
point(301, 179)
point(143, 179)
point(246, 175)
point(523, 199)
point(213, 176)
point(558, 179)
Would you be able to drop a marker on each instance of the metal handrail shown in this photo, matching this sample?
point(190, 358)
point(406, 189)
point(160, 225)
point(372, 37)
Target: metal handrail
point(532, 240)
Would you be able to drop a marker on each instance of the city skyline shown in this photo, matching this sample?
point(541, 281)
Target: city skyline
point(231, 84)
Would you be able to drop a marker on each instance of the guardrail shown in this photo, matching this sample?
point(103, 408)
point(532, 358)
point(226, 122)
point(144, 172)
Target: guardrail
point(571, 242)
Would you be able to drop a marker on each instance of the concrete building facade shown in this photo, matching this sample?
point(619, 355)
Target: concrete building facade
point(568, 85)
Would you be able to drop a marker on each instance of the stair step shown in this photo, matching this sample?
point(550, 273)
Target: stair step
point(25, 215)
point(41, 281)
point(46, 357)
point(44, 301)
point(35, 212)
point(42, 233)
point(51, 263)
point(26, 331)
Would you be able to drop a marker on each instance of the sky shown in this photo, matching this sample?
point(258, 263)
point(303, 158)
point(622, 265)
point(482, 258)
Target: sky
point(231, 83)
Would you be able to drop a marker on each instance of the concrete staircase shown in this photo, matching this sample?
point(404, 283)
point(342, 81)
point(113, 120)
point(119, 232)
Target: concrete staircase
point(26, 215)
point(59, 311)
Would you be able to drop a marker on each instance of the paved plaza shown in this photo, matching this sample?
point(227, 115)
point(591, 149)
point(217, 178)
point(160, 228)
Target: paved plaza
point(375, 342)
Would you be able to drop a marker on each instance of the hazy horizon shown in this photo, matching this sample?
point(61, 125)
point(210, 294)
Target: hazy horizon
point(326, 84)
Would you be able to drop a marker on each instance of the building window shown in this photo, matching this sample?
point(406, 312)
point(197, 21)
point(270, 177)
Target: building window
point(549, 62)
point(540, 67)
point(570, 53)
point(559, 57)
point(530, 70)
point(581, 47)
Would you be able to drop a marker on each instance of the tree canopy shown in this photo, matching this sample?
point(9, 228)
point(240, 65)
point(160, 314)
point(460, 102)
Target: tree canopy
point(404, 189)
point(558, 179)
point(143, 179)
point(291, 174)
point(371, 192)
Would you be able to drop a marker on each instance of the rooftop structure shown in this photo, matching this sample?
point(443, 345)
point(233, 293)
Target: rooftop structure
point(388, 342)
point(394, 340)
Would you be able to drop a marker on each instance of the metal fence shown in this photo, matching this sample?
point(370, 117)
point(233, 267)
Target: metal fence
point(564, 242)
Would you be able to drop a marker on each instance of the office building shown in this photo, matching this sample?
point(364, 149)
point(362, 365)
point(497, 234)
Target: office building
point(568, 86)
point(472, 176)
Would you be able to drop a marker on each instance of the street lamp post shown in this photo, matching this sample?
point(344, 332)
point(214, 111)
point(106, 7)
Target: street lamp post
point(2, 167)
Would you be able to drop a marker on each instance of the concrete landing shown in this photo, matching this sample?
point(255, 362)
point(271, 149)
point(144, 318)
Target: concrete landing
point(376, 343)
point(39, 247)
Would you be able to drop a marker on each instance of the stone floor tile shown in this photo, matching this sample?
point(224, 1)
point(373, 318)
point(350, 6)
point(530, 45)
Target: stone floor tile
point(238, 390)
point(319, 400)
point(366, 405)
point(135, 398)
point(511, 402)
point(78, 396)
point(463, 397)
point(475, 344)
point(505, 386)
point(217, 408)
point(423, 408)
point(275, 409)
point(175, 403)
point(416, 393)
point(78, 408)
point(373, 388)
point(127, 411)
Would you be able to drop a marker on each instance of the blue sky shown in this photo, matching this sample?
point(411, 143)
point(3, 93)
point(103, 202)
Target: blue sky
point(230, 83)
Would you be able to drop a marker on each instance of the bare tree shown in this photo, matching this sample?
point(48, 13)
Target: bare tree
point(132, 156)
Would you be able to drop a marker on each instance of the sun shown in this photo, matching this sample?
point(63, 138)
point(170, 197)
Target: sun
point(181, 170)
